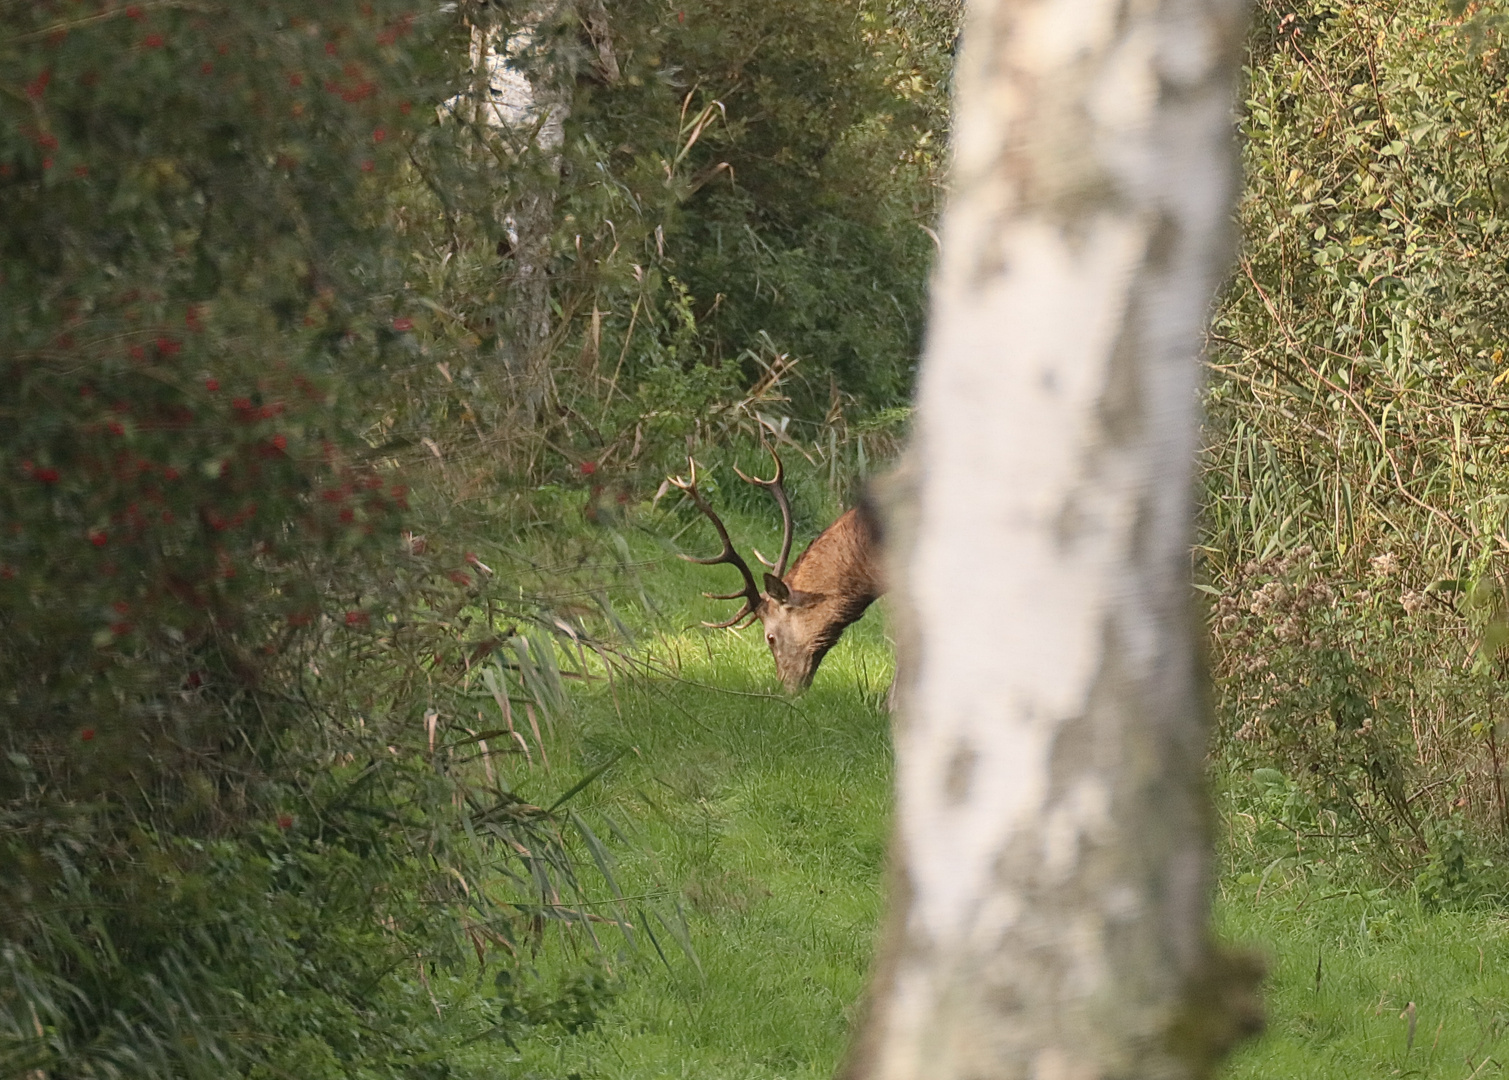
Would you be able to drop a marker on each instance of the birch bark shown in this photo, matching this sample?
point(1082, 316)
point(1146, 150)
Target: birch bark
point(526, 76)
point(1050, 892)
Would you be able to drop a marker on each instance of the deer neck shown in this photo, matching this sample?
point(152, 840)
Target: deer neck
point(843, 567)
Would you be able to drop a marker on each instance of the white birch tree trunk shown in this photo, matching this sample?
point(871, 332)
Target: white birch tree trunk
point(525, 82)
point(1050, 882)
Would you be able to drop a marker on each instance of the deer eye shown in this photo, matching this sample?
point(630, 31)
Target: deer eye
point(770, 640)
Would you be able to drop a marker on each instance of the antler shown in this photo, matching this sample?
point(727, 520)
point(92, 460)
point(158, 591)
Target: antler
point(751, 591)
point(777, 488)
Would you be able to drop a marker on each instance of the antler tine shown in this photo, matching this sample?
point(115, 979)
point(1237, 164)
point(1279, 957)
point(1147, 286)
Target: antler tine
point(726, 623)
point(751, 591)
point(777, 487)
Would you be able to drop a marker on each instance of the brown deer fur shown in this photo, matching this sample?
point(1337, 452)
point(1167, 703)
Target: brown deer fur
point(829, 587)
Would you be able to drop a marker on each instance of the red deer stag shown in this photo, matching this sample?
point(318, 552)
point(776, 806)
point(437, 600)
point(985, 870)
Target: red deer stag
point(805, 610)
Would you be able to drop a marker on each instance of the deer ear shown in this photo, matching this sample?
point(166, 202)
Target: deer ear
point(776, 589)
point(798, 599)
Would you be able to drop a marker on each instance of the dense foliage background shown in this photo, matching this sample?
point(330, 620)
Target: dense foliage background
point(285, 570)
point(1355, 516)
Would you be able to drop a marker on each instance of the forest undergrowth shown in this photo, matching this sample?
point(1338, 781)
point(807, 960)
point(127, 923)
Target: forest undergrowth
point(353, 719)
point(1354, 530)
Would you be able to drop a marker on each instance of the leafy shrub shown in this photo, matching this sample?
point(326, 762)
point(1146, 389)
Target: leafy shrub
point(1354, 506)
point(244, 826)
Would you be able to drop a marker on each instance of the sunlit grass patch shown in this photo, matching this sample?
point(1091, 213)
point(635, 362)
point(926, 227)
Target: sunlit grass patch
point(759, 818)
point(1345, 966)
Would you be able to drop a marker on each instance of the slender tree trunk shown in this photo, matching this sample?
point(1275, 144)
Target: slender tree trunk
point(1050, 881)
point(526, 75)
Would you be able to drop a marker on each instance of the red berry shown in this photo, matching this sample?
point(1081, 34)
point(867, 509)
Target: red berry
point(379, 135)
point(588, 468)
point(296, 79)
point(38, 86)
point(280, 441)
point(87, 735)
point(356, 618)
point(285, 821)
point(98, 537)
point(368, 166)
point(134, 12)
point(47, 476)
point(153, 41)
point(402, 325)
point(212, 385)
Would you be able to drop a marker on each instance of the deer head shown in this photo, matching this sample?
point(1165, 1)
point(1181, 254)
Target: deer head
point(803, 612)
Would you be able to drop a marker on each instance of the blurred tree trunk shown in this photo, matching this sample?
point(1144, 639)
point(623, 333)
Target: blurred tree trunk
point(1050, 861)
point(526, 75)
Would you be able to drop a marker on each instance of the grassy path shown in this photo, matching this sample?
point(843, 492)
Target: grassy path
point(765, 820)
point(763, 817)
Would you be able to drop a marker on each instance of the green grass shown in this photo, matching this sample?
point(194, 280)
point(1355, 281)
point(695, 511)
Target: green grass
point(762, 817)
point(1377, 951)
point(764, 821)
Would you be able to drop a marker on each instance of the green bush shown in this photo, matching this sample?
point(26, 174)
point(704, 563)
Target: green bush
point(1354, 510)
point(243, 825)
